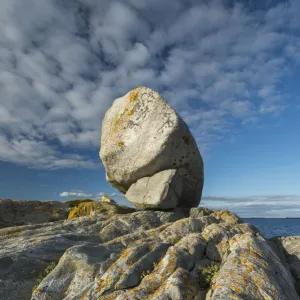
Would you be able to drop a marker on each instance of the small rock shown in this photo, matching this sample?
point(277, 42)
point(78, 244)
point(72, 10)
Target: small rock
point(162, 191)
point(198, 212)
point(107, 199)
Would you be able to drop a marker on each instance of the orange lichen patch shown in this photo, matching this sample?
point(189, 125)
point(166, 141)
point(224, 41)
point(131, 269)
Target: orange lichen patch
point(217, 285)
point(85, 295)
point(120, 122)
point(121, 144)
point(83, 209)
point(131, 112)
point(38, 290)
point(186, 139)
point(133, 94)
point(256, 251)
point(73, 213)
point(236, 289)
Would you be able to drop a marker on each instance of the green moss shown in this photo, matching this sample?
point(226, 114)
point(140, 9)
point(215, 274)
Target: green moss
point(207, 273)
point(48, 270)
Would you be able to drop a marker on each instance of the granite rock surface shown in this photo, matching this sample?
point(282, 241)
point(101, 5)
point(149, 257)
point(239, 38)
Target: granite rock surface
point(160, 191)
point(141, 136)
point(189, 254)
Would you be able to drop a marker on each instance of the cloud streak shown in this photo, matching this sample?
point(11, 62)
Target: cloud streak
point(267, 206)
point(118, 197)
point(62, 64)
point(75, 194)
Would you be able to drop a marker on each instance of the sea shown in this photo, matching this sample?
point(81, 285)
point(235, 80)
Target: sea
point(275, 227)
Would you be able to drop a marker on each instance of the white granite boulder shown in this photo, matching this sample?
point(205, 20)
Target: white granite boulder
point(141, 136)
point(162, 191)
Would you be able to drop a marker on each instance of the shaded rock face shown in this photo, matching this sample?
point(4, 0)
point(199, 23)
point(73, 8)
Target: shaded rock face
point(142, 255)
point(141, 136)
point(288, 248)
point(161, 191)
point(22, 212)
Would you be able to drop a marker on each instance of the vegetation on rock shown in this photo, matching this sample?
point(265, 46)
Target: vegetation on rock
point(89, 208)
point(47, 271)
point(207, 273)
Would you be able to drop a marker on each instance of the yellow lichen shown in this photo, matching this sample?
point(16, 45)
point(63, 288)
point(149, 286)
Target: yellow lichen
point(83, 209)
point(133, 94)
point(131, 112)
point(85, 295)
point(37, 291)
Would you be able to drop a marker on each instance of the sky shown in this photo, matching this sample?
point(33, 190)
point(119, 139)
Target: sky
point(230, 69)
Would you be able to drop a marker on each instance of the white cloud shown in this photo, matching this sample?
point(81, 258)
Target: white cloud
point(257, 205)
point(80, 193)
point(118, 197)
point(61, 65)
point(75, 194)
point(39, 154)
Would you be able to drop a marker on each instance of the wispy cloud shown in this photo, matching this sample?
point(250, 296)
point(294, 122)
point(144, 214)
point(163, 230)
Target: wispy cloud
point(118, 197)
point(62, 64)
point(257, 205)
point(253, 198)
point(75, 194)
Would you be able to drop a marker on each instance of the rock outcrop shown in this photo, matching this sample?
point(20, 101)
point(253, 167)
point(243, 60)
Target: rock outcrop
point(141, 136)
point(24, 212)
point(162, 191)
point(192, 254)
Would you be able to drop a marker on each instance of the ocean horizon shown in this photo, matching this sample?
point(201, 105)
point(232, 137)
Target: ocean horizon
point(271, 227)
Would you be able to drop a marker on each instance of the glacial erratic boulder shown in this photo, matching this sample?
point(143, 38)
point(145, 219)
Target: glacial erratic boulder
point(162, 191)
point(141, 136)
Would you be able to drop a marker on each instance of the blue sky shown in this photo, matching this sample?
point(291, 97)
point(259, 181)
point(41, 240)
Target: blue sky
point(229, 68)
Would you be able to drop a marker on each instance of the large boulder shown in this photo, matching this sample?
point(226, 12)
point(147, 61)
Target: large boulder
point(141, 136)
point(161, 191)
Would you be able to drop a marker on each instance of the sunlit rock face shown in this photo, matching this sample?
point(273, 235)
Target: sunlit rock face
point(141, 136)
